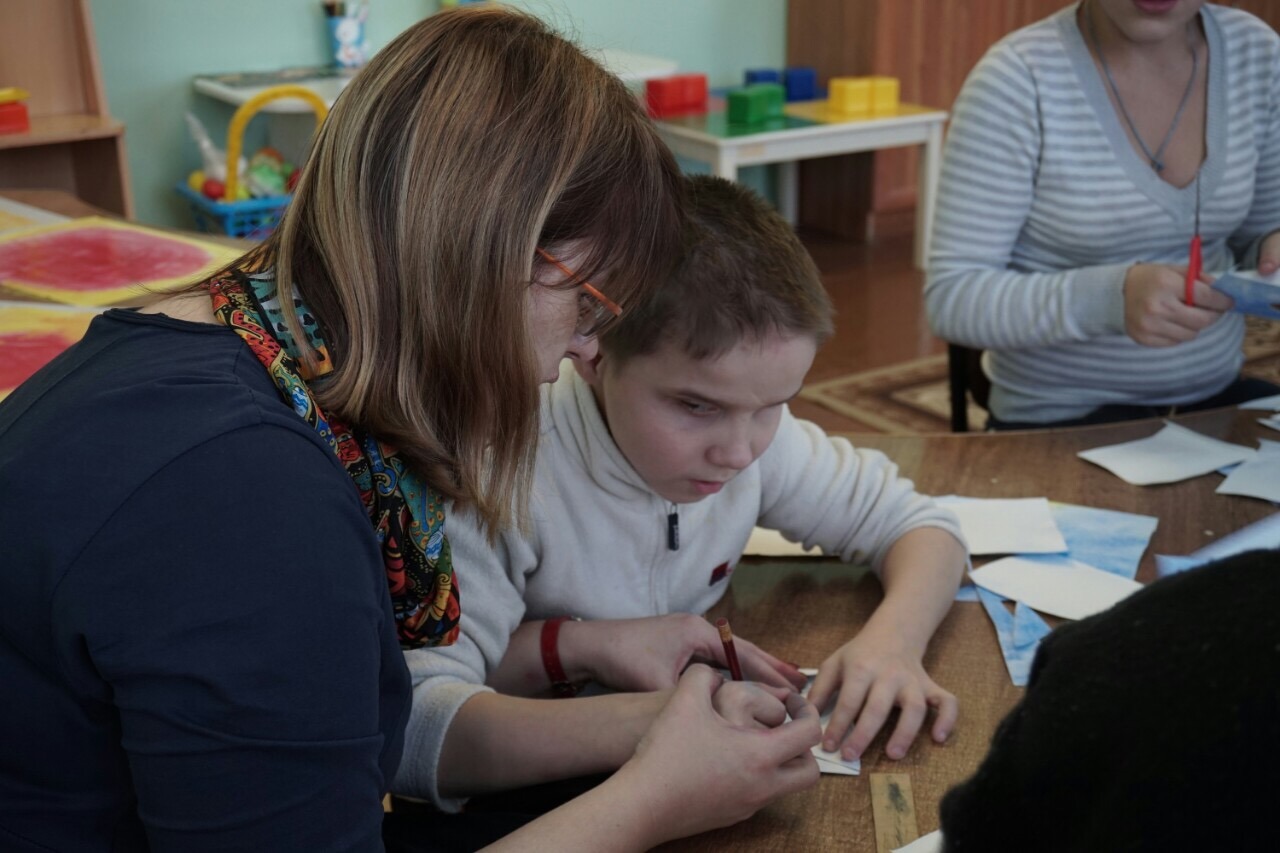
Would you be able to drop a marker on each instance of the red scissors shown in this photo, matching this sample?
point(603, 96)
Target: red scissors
point(1194, 265)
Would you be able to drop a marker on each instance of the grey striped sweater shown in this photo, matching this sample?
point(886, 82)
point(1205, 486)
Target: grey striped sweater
point(1044, 205)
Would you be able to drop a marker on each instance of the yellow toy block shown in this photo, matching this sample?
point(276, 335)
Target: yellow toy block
point(849, 95)
point(884, 95)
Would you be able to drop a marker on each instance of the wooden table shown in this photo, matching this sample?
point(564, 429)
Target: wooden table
point(808, 130)
point(821, 602)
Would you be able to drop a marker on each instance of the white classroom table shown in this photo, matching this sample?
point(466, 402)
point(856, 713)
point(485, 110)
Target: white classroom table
point(708, 139)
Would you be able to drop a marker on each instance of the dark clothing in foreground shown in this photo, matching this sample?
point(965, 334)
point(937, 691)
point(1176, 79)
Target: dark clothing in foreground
point(1154, 726)
point(196, 641)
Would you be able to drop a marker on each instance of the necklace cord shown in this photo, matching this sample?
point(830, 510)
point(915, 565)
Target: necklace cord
point(1155, 159)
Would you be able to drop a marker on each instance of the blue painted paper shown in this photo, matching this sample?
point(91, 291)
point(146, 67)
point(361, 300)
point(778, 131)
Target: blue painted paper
point(1106, 539)
point(1019, 634)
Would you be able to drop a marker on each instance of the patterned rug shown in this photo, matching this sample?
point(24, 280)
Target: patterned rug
point(913, 397)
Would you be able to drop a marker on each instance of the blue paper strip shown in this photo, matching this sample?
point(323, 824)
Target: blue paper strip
point(1019, 634)
point(1252, 297)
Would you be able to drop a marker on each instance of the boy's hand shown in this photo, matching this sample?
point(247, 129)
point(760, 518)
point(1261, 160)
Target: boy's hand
point(873, 675)
point(651, 653)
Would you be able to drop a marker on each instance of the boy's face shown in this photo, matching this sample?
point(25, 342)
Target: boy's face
point(688, 426)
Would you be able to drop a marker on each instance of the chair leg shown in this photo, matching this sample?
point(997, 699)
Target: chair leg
point(958, 383)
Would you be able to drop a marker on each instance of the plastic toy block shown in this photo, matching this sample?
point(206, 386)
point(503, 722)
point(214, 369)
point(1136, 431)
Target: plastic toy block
point(677, 95)
point(801, 83)
point(755, 103)
point(695, 92)
point(884, 95)
point(761, 75)
point(850, 95)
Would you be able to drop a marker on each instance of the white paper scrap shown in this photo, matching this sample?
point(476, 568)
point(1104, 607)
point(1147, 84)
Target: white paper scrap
point(1007, 526)
point(1266, 404)
point(1055, 585)
point(1258, 478)
point(1172, 454)
point(931, 843)
point(829, 763)
point(771, 543)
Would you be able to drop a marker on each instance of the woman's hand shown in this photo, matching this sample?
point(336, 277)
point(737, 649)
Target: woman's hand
point(751, 705)
point(873, 675)
point(651, 653)
point(1269, 254)
point(696, 770)
point(1155, 309)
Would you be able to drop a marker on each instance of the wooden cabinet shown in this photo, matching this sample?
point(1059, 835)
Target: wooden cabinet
point(930, 46)
point(47, 47)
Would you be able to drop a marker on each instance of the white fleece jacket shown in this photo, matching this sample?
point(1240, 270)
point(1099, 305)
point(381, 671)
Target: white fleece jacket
point(598, 547)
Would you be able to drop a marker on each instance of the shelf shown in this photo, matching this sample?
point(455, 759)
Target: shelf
point(50, 130)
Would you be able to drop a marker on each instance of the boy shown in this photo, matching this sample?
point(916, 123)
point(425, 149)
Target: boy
point(657, 458)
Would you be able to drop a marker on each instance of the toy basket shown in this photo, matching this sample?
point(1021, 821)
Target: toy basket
point(251, 218)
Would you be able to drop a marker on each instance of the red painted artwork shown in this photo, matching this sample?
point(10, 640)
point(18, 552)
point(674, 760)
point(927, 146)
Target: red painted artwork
point(32, 335)
point(101, 262)
point(97, 259)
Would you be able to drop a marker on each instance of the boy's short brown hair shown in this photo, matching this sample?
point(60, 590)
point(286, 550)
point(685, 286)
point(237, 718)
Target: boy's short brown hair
point(744, 274)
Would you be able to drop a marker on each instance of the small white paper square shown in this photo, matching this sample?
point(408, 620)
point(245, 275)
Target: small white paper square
point(1258, 478)
point(1007, 526)
point(1058, 586)
point(931, 843)
point(1266, 404)
point(1172, 454)
point(771, 543)
point(829, 763)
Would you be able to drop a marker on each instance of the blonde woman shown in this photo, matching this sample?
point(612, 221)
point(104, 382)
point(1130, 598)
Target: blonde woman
point(222, 517)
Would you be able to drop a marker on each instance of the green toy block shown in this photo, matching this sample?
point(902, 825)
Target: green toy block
point(756, 103)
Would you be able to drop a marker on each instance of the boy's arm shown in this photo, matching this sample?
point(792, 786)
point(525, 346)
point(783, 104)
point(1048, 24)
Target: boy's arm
point(880, 668)
point(491, 582)
point(647, 653)
point(853, 504)
point(850, 502)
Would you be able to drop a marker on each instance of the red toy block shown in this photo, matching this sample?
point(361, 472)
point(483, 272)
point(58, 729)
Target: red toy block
point(13, 118)
point(678, 95)
point(695, 92)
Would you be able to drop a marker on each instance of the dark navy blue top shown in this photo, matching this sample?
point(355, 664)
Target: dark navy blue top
point(196, 642)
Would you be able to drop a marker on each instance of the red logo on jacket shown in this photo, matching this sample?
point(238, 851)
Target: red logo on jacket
point(719, 573)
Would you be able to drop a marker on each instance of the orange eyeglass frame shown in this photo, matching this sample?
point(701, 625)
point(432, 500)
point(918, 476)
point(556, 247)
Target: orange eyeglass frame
point(611, 306)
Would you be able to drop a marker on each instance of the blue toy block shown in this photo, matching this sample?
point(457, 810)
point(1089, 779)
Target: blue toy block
point(801, 83)
point(761, 75)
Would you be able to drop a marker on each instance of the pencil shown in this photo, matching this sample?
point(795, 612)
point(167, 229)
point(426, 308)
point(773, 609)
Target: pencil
point(730, 653)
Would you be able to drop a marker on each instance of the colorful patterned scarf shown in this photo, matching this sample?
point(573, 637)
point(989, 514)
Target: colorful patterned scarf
point(407, 516)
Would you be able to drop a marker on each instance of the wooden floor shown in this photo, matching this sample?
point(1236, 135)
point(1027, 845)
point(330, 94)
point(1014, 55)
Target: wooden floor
point(878, 297)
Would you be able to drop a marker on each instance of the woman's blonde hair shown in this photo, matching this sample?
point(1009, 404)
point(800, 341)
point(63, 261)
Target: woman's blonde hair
point(473, 138)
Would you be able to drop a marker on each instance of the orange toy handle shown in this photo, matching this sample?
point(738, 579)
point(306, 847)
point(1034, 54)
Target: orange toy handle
point(246, 111)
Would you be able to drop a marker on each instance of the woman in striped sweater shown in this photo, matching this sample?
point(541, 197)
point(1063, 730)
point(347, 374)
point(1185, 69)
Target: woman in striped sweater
point(1085, 152)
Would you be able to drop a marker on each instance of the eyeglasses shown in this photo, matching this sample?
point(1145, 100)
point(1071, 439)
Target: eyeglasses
point(595, 310)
